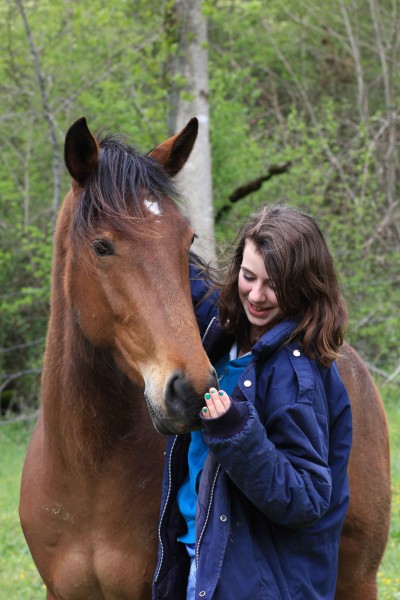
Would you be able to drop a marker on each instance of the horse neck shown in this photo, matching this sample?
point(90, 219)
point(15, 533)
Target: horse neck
point(88, 405)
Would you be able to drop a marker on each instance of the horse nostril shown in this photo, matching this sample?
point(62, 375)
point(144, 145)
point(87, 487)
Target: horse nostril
point(181, 394)
point(178, 390)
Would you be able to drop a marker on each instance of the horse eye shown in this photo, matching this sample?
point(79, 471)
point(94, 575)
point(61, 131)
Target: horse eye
point(103, 248)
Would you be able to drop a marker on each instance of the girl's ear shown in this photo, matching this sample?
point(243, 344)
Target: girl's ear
point(81, 151)
point(174, 152)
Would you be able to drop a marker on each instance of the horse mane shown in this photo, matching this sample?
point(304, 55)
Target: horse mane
point(115, 189)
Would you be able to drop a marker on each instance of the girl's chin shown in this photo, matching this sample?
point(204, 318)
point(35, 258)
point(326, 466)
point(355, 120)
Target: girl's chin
point(258, 322)
point(266, 322)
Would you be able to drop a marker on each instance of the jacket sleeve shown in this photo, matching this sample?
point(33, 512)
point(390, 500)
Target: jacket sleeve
point(204, 299)
point(284, 472)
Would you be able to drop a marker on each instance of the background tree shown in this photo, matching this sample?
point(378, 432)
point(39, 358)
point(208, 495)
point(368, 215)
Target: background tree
point(187, 84)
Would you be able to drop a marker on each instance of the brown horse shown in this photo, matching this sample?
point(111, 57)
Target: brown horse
point(91, 481)
point(122, 334)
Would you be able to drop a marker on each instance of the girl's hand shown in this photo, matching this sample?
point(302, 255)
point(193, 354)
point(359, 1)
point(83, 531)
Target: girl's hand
point(217, 404)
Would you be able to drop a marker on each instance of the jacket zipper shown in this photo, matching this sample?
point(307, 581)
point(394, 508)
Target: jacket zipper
point(215, 476)
point(207, 330)
point(165, 508)
point(169, 490)
point(208, 515)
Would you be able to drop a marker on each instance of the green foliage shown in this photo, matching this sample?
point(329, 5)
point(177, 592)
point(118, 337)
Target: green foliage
point(25, 282)
point(283, 87)
point(369, 271)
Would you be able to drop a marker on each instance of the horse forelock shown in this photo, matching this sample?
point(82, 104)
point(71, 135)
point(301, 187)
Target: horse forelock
point(118, 186)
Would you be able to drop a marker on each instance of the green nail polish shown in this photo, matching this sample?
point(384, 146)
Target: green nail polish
point(205, 409)
point(207, 396)
point(213, 390)
point(221, 393)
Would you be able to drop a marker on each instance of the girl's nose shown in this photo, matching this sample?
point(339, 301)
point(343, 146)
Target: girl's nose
point(257, 294)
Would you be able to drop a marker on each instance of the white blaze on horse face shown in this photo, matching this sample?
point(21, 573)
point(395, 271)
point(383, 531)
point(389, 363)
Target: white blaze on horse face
point(153, 207)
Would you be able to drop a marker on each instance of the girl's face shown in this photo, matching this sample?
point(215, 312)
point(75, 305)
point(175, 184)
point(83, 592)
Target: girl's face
point(256, 292)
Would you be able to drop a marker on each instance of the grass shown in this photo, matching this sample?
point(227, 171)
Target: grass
point(389, 571)
point(18, 576)
point(19, 579)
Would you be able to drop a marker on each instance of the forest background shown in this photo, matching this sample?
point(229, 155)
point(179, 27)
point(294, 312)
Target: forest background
point(303, 96)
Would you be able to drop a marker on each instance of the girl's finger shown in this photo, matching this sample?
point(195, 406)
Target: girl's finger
point(205, 412)
point(211, 410)
point(226, 401)
point(218, 406)
point(221, 401)
point(218, 402)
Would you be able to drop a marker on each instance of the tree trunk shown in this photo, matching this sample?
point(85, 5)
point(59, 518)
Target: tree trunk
point(187, 73)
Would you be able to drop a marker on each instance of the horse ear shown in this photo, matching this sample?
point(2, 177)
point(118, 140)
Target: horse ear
point(81, 151)
point(174, 152)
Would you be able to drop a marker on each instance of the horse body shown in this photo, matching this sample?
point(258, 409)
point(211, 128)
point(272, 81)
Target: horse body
point(117, 348)
point(122, 343)
point(366, 527)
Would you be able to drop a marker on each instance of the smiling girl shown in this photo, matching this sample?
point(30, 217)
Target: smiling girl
point(253, 505)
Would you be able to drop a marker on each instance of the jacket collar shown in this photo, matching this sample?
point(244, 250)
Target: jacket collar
point(217, 340)
point(275, 337)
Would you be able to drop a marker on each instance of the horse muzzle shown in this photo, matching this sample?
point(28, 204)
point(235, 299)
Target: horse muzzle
point(179, 411)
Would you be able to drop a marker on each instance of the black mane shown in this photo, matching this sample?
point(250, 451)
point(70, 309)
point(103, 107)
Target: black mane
point(116, 187)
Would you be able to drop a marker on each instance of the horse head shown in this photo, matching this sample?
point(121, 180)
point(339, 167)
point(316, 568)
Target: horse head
point(126, 274)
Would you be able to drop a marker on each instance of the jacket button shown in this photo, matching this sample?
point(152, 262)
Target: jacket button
point(202, 594)
point(223, 518)
point(296, 352)
point(247, 383)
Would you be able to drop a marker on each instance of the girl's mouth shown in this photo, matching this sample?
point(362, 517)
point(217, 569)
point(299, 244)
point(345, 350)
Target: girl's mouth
point(257, 311)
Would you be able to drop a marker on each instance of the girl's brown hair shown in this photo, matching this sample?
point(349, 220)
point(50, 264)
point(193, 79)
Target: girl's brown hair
point(305, 280)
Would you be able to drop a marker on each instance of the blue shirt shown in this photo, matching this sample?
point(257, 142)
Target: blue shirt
point(228, 370)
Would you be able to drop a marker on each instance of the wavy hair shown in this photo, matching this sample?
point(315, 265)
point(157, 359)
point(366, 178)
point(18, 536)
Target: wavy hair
point(303, 273)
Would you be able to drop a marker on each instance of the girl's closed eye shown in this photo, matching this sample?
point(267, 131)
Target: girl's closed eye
point(248, 277)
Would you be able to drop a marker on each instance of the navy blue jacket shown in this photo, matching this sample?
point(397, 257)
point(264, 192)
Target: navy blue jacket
point(274, 488)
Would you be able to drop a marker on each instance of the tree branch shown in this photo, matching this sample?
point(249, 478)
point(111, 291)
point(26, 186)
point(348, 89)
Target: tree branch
point(31, 417)
point(46, 108)
point(250, 187)
point(362, 97)
point(326, 148)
